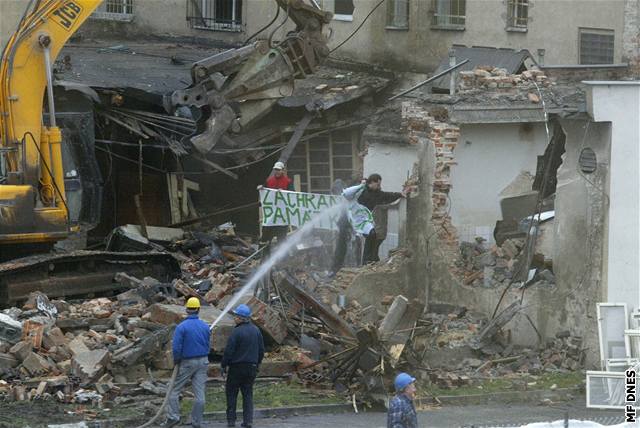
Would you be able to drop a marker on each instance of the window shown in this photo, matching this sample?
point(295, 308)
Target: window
point(517, 14)
point(596, 46)
point(343, 9)
point(323, 159)
point(217, 15)
point(449, 14)
point(115, 10)
point(398, 14)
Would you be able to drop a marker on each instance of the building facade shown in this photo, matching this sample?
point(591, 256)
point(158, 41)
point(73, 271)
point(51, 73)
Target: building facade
point(413, 33)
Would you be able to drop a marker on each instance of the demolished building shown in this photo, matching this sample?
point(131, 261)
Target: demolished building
point(554, 256)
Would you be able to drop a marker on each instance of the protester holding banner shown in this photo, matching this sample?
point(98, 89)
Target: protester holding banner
point(278, 181)
point(279, 178)
point(364, 198)
point(371, 197)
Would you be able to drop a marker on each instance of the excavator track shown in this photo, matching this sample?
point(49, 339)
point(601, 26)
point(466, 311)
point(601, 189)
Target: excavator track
point(80, 273)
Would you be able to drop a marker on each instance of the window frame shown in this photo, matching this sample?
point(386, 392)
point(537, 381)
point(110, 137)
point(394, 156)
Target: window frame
point(436, 23)
point(391, 15)
point(128, 7)
point(329, 137)
point(600, 32)
point(513, 20)
point(330, 6)
point(211, 23)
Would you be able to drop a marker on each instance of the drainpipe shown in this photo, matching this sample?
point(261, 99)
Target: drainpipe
point(452, 76)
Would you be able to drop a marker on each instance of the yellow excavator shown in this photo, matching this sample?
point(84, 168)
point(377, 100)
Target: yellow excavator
point(33, 206)
point(232, 90)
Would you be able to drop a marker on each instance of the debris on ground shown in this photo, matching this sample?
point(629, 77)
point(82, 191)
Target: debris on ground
point(101, 349)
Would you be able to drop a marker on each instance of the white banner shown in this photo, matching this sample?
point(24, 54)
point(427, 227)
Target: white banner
point(284, 208)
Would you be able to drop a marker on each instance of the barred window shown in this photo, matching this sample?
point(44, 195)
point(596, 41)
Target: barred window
point(449, 14)
point(517, 13)
point(114, 10)
point(596, 46)
point(217, 15)
point(398, 14)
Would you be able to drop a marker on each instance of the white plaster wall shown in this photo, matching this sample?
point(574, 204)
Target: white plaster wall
point(489, 157)
point(619, 103)
point(394, 163)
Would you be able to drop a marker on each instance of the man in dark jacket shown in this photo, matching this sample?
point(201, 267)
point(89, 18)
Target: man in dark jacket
point(191, 350)
point(371, 197)
point(242, 356)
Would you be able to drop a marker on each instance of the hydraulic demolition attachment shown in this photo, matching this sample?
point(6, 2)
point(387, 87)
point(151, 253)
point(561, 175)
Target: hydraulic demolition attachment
point(234, 89)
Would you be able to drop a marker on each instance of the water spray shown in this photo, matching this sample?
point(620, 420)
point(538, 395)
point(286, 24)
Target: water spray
point(281, 252)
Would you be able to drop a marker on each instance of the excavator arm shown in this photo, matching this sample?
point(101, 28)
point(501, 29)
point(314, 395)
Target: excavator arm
point(32, 195)
point(235, 88)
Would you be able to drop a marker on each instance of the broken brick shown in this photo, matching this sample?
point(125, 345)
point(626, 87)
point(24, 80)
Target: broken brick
point(33, 332)
point(8, 361)
point(21, 350)
point(37, 365)
point(90, 365)
point(268, 320)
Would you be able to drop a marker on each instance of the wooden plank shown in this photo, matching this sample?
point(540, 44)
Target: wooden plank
point(324, 313)
point(396, 343)
point(394, 315)
point(186, 186)
point(172, 185)
point(297, 135)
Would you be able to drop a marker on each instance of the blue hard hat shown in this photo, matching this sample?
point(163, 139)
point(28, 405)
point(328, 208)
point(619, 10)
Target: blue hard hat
point(243, 311)
point(403, 380)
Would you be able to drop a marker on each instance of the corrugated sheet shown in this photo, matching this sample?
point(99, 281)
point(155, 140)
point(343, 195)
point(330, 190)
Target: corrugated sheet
point(510, 59)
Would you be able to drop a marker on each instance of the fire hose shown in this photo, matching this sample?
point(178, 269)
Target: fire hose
point(172, 381)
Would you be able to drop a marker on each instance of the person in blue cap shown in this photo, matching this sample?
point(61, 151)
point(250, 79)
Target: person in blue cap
point(402, 413)
point(242, 358)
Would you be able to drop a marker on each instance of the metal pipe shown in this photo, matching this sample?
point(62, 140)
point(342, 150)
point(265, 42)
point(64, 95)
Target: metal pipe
point(429, 80)
point(45, 41)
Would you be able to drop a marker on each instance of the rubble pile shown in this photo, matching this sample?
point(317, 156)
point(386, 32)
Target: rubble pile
point(106, 348)
point(489, 77)
point(479, 265)
point(85, 350)
point(447, 342)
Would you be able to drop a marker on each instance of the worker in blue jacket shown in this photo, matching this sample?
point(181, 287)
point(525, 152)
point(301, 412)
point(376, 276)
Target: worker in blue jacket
point(242, 357)
point(191, 351)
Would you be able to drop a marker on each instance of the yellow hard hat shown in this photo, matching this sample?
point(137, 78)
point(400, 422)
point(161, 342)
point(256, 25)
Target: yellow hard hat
point(193, 303)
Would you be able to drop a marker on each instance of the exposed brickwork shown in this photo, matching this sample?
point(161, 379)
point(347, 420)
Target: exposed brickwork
point(498, 78)
point(420, 125)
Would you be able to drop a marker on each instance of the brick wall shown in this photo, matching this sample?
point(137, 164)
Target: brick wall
point(419, 124)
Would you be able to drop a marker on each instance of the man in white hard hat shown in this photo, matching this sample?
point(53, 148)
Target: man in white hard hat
point(279, 181)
